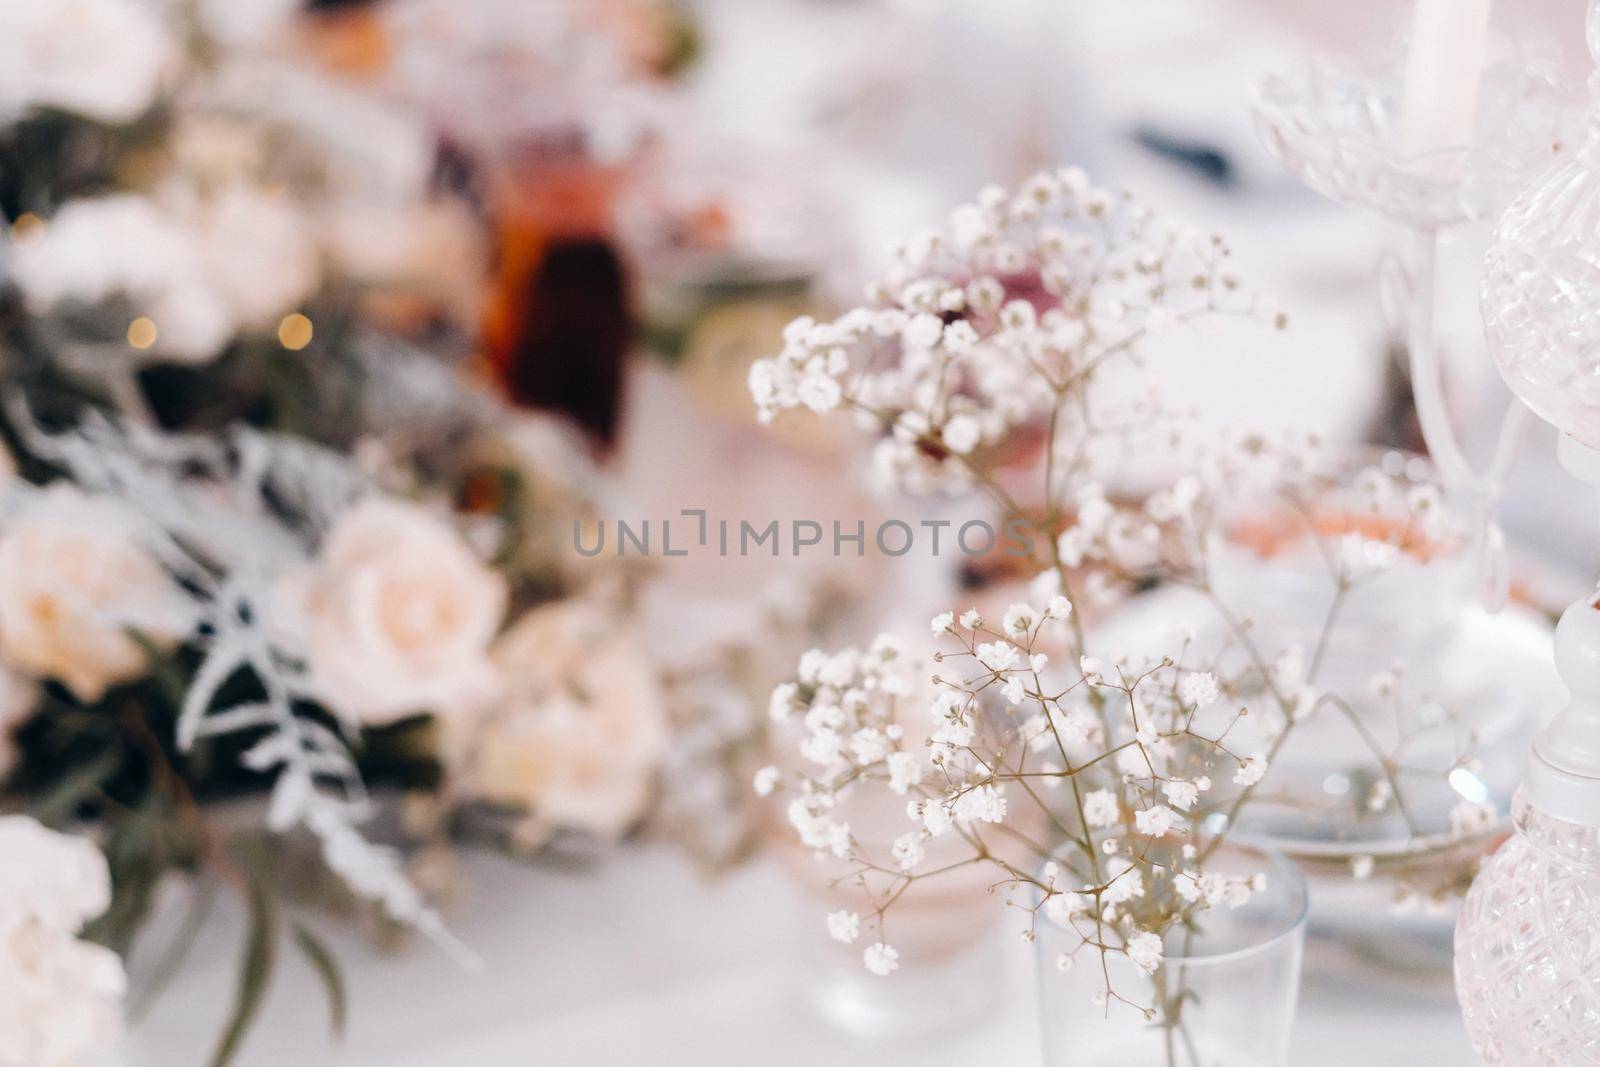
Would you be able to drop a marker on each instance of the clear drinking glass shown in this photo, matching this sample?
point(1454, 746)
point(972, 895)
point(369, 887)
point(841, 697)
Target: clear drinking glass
point(946, 931)
point(1224, 997)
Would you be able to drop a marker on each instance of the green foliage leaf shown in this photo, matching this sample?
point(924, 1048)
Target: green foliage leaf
point(321, 958)
point(255, 968)
point(177, 951)
point(76, 786)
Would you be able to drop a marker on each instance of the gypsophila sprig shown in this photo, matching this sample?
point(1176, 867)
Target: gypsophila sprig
point(983, 326)
point(988, 741)
point(1094, 785)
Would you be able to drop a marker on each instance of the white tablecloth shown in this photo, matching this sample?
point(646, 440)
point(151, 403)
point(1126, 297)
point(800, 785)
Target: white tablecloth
point(638, 960)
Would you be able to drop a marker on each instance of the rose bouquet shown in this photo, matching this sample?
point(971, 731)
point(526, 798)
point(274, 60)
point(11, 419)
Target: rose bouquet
point(1098, 785)
point(267, 553)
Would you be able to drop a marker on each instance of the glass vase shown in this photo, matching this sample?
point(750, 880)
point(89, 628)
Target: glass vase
point(1424, 677)
point(951, 975)
point(1224, 996)
point(1528, 946)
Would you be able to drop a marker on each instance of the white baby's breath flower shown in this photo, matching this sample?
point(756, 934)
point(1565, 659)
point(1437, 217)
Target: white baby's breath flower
point(823, 746)
point(868, 746)
point(943, 623)
point(838, 839)
point(1012, 689)
point(1019, 620)
point(1145, 950)
point(1100, 808)
point(971, 619)
point(961, 434)
point(766, 780)
point(1063, 907)
point(984, 804)
point(782, 703)
point(908, 851)
point(905, 771)
point(881, 959)
point(1157, 821)
point(819, 392)
point(1126, 883)
point(1059, 607)
point(923, 331)
point(1180, 794)
point(1199, 689)
point(1251, 770)
point(844, 926)
point(998, 656)
point(1289, 669)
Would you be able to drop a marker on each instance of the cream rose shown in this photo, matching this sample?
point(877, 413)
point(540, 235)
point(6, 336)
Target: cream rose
point(580, 730)
point(105, 59)
point(60, 998)
point(396, 615)
point(75, 578)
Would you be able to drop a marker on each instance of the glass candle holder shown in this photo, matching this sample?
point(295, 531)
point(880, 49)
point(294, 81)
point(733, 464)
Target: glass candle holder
point(1224, 996)
point(1336, 128)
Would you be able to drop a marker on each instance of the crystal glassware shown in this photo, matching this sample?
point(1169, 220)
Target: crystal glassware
point(1540, 277)
point(951, 974)
point(1224, 996)
point(1428, 682)
point(1340, 131)
point(1336, 128)
point(1528, 945)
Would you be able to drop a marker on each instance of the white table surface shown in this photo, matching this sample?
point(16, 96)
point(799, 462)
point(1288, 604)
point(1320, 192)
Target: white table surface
point(639, 960)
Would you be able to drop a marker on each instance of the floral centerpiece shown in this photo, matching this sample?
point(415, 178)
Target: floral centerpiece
point(1098, 785)
point(266, 552)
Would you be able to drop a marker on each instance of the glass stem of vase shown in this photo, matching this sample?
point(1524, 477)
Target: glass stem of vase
point(1427, 380)
point(1427, 386)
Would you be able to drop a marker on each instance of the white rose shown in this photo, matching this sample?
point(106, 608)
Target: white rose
point(60, 998)
point(75, 577)
point(54, 880)
point(201, 269)
point(104, 59)
point(241, 24)
point(395, 616)
point(256, 255)
point(99, 247)
point(582, 726)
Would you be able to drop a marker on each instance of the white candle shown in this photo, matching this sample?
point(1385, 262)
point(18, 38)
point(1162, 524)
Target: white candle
point(1440, 107)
